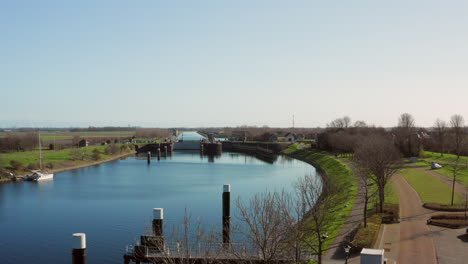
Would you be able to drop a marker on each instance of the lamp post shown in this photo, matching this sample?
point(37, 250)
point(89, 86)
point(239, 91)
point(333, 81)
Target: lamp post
point(346, 249)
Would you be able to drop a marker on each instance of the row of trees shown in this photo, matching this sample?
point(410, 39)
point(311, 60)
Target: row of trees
point(19, 142)
point(445, 137)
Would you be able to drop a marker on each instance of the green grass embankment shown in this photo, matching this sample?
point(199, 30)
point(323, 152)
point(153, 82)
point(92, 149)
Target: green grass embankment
point(338, 173)
point(59, 160)
point(429, 188)
point(445, 161)
point(446, 158)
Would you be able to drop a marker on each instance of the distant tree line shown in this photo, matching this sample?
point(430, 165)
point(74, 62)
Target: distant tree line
point(152, 133)
point(12, 142)
point(342, 136)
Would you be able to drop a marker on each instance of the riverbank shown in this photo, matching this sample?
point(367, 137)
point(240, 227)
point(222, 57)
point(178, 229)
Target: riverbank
point(339, 173)
point(67, 165)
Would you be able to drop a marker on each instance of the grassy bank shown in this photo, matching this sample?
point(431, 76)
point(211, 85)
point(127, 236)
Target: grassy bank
point(60, 160)
point(445, 161)
point(337, 172)
point(430, 189)
point(446, 158)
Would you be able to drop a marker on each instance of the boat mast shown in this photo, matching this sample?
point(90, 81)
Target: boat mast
point(40, 150)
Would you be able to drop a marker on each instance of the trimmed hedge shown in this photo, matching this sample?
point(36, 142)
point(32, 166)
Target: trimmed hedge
point(448, 220)
point(445, 207)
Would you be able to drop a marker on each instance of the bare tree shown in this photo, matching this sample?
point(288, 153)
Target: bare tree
point(360, 123)
point(441, 130)
point(365, 189)
point(264, 224)
point(315, 200)
point(340, 123)
point(406, 126)
point(457, 122)
point(381, 159)
point(455, 169)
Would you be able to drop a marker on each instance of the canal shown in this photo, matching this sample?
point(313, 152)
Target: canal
point(112, 202)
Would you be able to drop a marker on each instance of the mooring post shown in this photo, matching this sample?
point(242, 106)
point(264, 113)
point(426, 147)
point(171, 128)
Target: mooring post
point(79, 248)
point(158, 216)
point(201, 148)
point(226, 214)
point(165, 150)
point(159, 153)
point(149, 157)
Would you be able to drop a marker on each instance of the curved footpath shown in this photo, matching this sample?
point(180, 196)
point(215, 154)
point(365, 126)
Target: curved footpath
point(336, 254)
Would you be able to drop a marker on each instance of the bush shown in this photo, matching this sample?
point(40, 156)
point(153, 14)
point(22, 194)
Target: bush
point(112, 149)
point(49, 165)
point(33, 166)
point(76, 154)
point(391, 213)
point(451, 223)
point(366, 236)
point(445, 207)
point(449, 216)
point(96, 154)
point(16, 165)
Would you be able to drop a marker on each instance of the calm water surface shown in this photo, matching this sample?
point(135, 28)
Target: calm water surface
point(112, 202)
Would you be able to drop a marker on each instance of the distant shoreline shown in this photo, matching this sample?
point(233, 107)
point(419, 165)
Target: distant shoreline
point(89, 164)
point(76, 166)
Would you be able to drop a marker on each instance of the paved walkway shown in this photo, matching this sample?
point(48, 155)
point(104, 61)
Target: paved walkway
point(336, 252)
point(451, 245)
point(416, 243)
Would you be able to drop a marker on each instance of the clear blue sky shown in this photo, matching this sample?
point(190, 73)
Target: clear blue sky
point(229, 63)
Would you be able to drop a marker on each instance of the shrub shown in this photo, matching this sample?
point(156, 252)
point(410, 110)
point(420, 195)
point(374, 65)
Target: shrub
point(444, 207)
point(366, 236)
point(391, 213)
point(49, 165)
point(16, 165)
point(449, 216)
point(112, 149)
point(33, 166)
point(76, 154)
point(96, 154)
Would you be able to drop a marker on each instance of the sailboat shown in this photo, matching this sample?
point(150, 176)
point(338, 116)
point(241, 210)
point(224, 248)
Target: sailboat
point(38, 175)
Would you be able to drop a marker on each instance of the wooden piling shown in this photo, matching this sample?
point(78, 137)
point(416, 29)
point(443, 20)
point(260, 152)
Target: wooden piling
point(79, 248)
point(226, 215)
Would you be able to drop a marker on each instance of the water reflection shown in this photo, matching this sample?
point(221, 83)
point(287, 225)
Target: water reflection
point(112, 202)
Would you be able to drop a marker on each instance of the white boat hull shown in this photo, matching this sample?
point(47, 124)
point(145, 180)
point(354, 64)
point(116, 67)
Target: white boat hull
point(38, 176)
point(44, 177)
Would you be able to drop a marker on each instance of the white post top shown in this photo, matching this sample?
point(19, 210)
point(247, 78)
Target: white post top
point(79, 241)
point(227, 188)
point(158, 213)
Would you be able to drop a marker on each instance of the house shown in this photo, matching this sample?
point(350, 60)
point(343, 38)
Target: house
point(299, 137)
point(290, 137)
point(273, 137)
point(83, 143)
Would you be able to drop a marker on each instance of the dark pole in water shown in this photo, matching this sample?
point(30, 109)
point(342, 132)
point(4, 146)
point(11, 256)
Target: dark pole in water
point(226, 214)
point(79, 248)
point(165, 151)
point(149, 157)
point(158, 216)
point(159, 154)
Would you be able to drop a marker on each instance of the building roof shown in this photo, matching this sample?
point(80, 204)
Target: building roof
point(372, 251)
